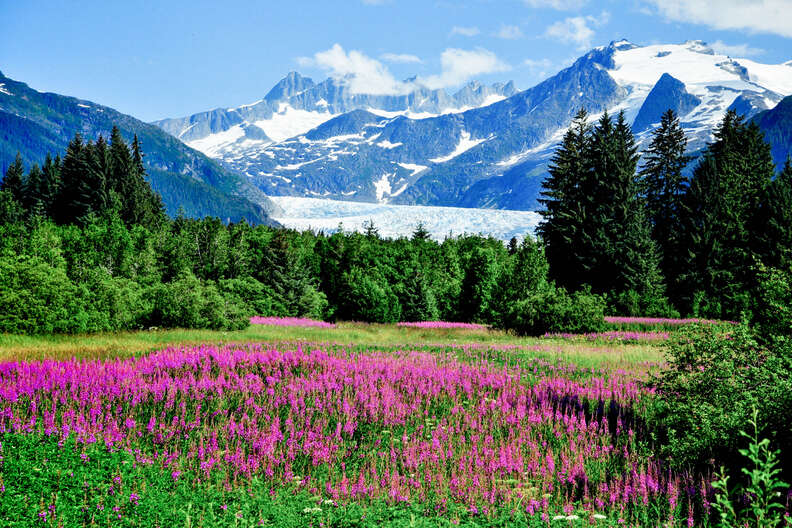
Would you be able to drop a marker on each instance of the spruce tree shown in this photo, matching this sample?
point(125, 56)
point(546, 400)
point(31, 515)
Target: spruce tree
point(13, 181)
point(148, 208)
point(721, 219)
point(72, 202)
point(562, 199)
point(774, 223)
point(50, 183)
point(34, 202)
point(664, 186)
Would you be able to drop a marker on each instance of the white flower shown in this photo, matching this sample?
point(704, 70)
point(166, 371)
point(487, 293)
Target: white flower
point(599, 516)
point(559, 518)
point(572, 518)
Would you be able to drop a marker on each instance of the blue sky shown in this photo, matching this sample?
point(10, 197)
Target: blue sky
point(173, 58)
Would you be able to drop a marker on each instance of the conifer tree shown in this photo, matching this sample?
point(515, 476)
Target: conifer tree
point(147, 208)
point(774, 223)
point(34, 183)
point(721, 217)
point(50, 183)
point(562, 200)
point(664, 186)
point(71, 203)
point(13, 180)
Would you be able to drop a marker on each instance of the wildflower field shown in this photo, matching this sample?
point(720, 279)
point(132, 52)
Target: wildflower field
point(493, 431)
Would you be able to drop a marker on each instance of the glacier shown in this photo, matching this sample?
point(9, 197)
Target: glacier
point(393, 221)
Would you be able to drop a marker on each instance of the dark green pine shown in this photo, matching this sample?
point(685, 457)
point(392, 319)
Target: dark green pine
point(13, 182)
point(562, 202)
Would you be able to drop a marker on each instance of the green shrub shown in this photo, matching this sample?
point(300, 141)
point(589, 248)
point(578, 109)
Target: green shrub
point(187, 303)
point(36, 298)
point(258, 298)
point(706, 395)
point(369, 298)
point(552, 309)
point(633, 304)
point(763, 487)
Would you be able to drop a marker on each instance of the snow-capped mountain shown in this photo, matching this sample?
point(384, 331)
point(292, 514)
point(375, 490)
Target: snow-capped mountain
point(296, 105)
point(469, 149)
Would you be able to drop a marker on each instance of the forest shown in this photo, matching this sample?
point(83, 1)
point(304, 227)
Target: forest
point(85, 246)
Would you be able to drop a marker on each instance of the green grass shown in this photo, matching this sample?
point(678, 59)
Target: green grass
point(122, 344)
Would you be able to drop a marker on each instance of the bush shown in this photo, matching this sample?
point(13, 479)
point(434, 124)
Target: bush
point(706, 395)
point(552, 309)
point(368, 298)
point(113, 303)
point(36, 298)
point(633, 304)
point(773, 311)
point(187, 303)
point(257, 298)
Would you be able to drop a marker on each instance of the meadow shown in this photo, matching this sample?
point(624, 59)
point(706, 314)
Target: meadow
point(295, 424)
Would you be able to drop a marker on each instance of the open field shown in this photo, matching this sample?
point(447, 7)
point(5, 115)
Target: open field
point(358, 425)
point(122, 344)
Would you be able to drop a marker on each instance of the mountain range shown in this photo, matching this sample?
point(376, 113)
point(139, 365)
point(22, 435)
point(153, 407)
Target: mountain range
point(483, 146)
point(35, 124)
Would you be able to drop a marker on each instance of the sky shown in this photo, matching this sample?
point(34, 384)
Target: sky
point(170, 58)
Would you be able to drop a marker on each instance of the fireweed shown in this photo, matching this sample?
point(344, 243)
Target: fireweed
point(289, 321)
point(353, 425)
point(443, 324)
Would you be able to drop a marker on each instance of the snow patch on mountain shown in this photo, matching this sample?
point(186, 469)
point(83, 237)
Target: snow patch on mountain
point(412, 167)
point(401, 220)
point(288, 122)
point(215, 144)
point(465, 144)
point(388, 145)
point(4, 90)
point(382, 186)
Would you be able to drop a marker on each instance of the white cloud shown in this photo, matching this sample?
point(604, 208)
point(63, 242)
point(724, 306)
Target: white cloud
point(460, 65)
point(402, 58)
point(753, 16)
point(509, 32)
point(561, 5)
point(364, 74)
point(577, 30)
point(465, 31)
point(361, 73)
point(540, 67)
point(735, 50)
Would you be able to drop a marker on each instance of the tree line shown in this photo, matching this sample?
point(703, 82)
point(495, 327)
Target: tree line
point(654, 239)
point(85, 245)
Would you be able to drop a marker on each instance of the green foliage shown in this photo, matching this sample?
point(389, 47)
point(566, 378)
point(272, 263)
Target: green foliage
point(721, 220)
point(714, 380)
point(595, 227)
point(763, 488)
point(369, 298)
point(186, 302)
point(37, 298)
point(552, 309)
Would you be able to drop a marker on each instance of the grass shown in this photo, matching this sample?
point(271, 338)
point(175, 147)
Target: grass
point(123, 344)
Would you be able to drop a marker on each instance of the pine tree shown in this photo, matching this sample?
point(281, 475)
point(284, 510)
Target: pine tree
point(13, 181)
point(774, 223)
point(721, 219)
point(50, 183)
point(95, 183)
point(34, 202)
point(664, 187)
point(148, 208)
point(72, 202)
point(562, 199)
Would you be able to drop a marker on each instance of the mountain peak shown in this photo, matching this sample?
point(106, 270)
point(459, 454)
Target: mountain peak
point(290, 85)
point(622, 45)
point(699, 46)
